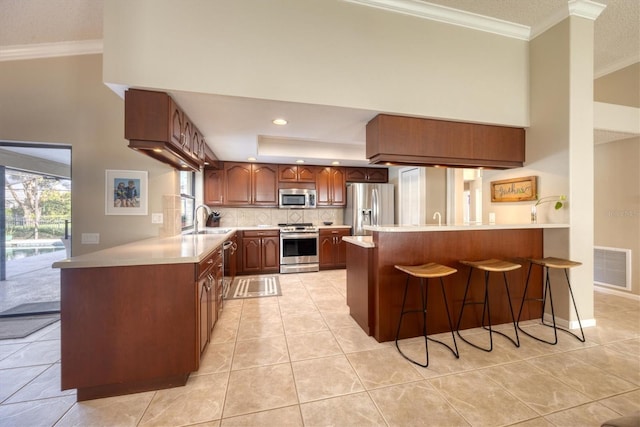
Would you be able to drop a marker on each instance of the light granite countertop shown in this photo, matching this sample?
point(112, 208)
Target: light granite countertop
point(363, 241)
point(367, 241)
point(457, 227)
point(183, 248)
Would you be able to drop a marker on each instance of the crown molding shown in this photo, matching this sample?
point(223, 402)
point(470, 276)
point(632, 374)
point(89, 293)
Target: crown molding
point(50, 50)
point(450, 16)
point(581, 8)
point(585, 9)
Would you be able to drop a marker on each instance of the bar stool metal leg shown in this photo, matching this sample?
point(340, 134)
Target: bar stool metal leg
point(424, 294)
point(575, 307)
point(547, 293)
point(424, 321)
point(513, 317)
point(456, 353)
point(486, 313)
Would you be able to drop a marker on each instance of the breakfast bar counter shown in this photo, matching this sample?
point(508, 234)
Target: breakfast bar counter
point(375, 287)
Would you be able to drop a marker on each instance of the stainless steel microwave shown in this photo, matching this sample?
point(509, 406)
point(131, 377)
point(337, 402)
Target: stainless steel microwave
point(297, 198)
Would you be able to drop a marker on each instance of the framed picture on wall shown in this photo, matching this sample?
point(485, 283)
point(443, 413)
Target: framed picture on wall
point(514, 190)
point(126, 192)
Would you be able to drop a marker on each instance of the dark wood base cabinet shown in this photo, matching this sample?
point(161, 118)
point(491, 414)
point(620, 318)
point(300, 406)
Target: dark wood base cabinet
point(360, 289)
point(260, 252)
point(210, 295)
point(333, 250)
point(130, 329)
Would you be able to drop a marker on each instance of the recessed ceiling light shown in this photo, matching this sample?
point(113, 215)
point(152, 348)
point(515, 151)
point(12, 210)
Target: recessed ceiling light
point(279, 122)
point(299, 161)
point(335, 163)
point(251, 159)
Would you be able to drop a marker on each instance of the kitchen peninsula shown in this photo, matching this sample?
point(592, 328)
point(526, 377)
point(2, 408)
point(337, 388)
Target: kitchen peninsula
point(375, 287)
point(137, 317)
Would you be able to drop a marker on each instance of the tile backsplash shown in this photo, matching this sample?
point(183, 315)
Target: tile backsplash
point(251, 217)
point(248, 217)
point(172, 223)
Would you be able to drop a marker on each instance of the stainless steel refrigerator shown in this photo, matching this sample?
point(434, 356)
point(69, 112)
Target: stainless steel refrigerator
point(368, 204)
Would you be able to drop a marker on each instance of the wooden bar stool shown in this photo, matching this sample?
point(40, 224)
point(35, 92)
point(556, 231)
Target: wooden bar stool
point(424, 273)
point(489, 266)
point(546, 264)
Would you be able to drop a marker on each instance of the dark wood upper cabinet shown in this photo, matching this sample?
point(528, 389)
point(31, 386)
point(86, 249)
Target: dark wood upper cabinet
point(264, 185)
point(238, 183)
point(214, 187)
point(210, 159)
point(428, 142)
point(331, 186)
point(250, 184)
point(156, 126)
point(296, 173)
point(367, 174)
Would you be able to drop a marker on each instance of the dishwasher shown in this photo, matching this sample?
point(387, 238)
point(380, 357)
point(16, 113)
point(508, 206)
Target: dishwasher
point(228, 249)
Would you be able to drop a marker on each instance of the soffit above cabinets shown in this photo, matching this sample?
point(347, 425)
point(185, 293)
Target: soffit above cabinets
point(428, 142)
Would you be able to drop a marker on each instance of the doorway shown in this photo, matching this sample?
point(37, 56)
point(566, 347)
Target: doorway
point(412, 196)
point(35, 225)
point(464, 196)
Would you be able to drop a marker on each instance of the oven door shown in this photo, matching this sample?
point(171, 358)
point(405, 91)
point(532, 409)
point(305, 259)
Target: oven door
point(298, 248)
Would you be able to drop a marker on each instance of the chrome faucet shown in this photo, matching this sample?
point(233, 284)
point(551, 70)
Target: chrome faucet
point(437, 214)
point(195, 216)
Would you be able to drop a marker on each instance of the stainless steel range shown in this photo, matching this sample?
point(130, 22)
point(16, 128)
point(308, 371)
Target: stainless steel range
point(299, 248)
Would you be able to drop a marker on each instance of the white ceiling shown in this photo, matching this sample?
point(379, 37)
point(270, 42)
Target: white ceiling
point(317, 134)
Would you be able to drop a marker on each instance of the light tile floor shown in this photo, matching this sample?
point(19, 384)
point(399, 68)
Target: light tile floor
point(299, 359)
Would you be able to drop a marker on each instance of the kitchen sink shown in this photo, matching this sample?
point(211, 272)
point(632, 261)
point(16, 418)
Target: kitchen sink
point(213, 230)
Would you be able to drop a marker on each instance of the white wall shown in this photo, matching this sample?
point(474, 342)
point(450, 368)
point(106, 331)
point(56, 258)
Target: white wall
point(617, 200)
point(63, 100)
point(317, 52)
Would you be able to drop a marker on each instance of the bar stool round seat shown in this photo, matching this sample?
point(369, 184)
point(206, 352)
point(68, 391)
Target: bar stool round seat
point(546, 264)
point(493, 265)
point(425, 272)
point(489, 266)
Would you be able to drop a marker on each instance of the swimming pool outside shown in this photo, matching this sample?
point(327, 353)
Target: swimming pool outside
point(23, 248)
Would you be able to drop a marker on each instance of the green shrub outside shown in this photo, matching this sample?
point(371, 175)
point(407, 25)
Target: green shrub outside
point(44, 232)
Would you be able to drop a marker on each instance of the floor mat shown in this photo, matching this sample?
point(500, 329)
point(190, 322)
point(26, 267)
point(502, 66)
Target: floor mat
point(253, 287)
point(20, 327)
point(32, 308)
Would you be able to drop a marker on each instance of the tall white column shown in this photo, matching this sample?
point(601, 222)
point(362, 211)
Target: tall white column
point(560, 147)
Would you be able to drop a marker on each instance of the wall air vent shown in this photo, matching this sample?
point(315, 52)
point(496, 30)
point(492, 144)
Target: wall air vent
point(612, 267)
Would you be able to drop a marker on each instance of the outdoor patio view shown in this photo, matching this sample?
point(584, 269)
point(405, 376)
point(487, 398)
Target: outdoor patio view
point(35, 232)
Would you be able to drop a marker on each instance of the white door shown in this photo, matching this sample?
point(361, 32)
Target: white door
point(412, 196)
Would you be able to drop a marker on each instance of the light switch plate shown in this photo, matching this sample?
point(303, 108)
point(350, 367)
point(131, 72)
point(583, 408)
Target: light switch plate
point(90, 238)
point(156, 218)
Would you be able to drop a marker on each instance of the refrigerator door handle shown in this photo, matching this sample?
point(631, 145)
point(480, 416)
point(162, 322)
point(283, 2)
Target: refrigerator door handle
point(375, 207)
